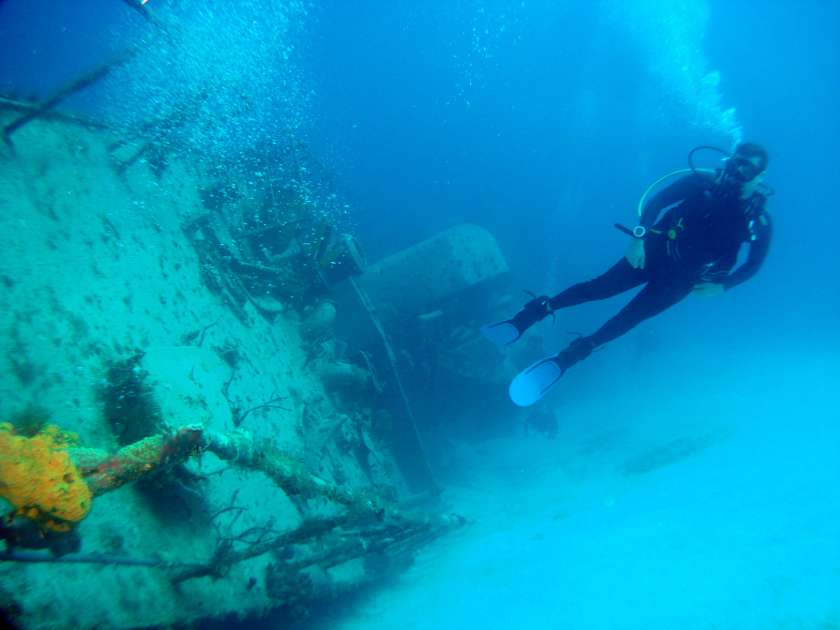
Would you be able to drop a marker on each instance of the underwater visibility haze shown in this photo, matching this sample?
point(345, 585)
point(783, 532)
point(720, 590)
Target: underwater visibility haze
point(467, 314)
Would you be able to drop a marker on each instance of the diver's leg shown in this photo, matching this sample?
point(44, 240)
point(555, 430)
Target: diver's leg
point(617, 279)
point(654, 298)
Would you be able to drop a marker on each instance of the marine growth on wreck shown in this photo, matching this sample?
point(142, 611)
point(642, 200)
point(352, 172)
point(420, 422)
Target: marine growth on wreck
point(205, 389)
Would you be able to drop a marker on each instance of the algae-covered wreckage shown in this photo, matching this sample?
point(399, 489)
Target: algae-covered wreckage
point(209, 399)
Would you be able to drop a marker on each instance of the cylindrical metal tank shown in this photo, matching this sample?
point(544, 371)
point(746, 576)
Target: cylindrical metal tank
point(414, 279)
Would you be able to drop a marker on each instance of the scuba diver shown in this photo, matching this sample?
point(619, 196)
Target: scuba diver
point(708, 215)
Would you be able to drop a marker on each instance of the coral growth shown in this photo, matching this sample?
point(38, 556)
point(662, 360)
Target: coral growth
point(128, 401)
point(39, 480)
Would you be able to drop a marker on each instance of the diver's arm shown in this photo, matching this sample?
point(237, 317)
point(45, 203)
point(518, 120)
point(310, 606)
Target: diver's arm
point(756, 255)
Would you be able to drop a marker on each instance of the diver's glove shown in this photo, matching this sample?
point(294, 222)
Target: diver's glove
point(635, 253)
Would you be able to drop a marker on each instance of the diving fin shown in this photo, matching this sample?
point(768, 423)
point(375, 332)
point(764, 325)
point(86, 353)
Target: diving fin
point(507, 331)
point(501, 333)
point(532, 383)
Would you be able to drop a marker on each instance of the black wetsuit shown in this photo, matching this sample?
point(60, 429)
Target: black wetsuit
point(696, 240)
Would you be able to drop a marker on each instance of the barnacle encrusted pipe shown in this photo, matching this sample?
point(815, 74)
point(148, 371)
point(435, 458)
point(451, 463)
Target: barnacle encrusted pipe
point(130, 463)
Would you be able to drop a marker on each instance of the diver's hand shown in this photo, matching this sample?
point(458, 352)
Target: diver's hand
point(708, 289)
point(635, 253)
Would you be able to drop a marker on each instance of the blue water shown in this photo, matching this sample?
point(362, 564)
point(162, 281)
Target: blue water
point(543, 122)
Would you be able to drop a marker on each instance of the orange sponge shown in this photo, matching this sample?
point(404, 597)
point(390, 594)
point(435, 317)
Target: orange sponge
point(39, 479)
